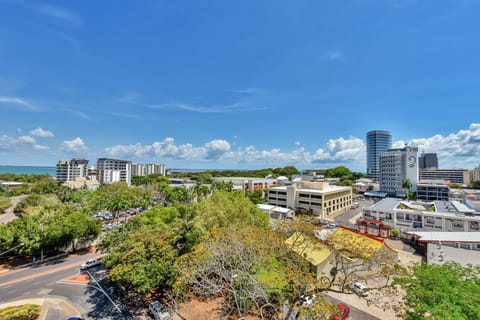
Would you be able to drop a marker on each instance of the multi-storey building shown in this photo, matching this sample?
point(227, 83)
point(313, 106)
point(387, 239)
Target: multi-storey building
point(432, 191)
point(428, 161)
point(378, 142)
point(395, 166)
point(427, 216)
point(140, 169)
point(319, 198)
point(113, 170)
point(246, 183)
point(460, 176)
point(475, 174)
point(154, 168)
point(69, 170)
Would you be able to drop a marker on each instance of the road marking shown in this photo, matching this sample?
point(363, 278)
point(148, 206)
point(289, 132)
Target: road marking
point(43, 273)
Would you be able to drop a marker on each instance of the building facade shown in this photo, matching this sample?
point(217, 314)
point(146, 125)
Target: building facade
point(69, 170)
point(428, 161)
point(378, 142)
point(319, 198)
point(395, 166)
point(140, 169)
point(475, 174)
point(113, 170)
point(424, 216)
point(460, 176)
point(432, 191)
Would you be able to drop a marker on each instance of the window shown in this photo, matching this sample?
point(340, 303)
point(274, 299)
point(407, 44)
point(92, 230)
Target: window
point(429, 220)
point(458, 224)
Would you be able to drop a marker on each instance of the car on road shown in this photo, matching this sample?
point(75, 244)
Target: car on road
point(156, 309)
point(89, 263)
point(343, 312)
point(332, 226)
point(359, 288)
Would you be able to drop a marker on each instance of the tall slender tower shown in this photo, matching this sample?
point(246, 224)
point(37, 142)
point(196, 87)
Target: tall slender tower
point(378, 142)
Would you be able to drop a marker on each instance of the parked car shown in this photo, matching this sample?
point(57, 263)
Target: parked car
point(89, 263)
point(359, 288)
point(332, 225)
point(156, 309)
point(343, 312)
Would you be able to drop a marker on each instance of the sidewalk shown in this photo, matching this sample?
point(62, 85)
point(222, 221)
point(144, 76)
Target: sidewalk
point(360, 303)
point(57, 305)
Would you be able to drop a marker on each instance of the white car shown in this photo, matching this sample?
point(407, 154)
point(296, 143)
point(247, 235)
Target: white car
point(360, 288)
point(89, 263)
point(156, 309)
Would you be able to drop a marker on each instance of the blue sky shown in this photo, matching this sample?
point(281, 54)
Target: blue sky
point(237, 84)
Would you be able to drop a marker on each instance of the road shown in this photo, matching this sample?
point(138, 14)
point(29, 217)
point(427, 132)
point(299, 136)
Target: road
point(52, 281)
point(344, 218)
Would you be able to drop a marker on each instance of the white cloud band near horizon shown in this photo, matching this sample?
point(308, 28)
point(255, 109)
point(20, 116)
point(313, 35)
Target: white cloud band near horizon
point(454, 150)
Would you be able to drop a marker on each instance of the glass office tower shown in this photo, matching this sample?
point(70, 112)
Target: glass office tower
point(378, 142)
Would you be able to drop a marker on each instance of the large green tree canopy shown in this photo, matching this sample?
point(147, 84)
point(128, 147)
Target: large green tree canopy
point(442, 292)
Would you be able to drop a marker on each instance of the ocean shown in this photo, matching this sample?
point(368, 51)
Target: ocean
point(28, 170)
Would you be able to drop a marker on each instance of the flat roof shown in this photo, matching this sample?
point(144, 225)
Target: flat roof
point(446, 236)
point(459, 255)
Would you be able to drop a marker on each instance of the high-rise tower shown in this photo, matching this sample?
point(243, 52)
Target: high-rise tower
point(378, 142)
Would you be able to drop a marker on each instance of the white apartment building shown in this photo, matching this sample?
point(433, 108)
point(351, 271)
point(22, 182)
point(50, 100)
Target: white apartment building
point(69, 170)
point(475, 174)
point(319, 198)
point(140, 169)
point(424, 216)
point(396, 165)
point(113, 170)
point(246, 183)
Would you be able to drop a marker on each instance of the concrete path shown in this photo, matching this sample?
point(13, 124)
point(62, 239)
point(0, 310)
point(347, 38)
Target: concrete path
point(9, 215)
point(52, 308)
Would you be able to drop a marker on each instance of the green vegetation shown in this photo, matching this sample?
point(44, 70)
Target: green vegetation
point(475, 185)
point(395, 233)
point(443, 292)
point(23, 312)
point(455, 186)
point(343, 173)
point(205, 176)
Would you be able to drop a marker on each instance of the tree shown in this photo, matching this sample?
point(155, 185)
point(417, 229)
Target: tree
point(443, 292)
point(476, 184)
point(225, 208)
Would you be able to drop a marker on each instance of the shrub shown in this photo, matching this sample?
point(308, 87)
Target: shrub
point(23, 312)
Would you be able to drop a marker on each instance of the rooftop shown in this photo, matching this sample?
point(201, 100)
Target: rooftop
point(310, 249)
point(447, 236)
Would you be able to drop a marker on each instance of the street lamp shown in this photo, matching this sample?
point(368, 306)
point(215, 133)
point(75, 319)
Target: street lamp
point(99, 288)
point(17, 246)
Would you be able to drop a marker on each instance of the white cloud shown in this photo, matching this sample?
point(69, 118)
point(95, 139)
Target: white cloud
point(39, 132)
point(247, 91)
point(26, 139)
point(18, 102)
point(129, 97)
point(230, 108)
point(6, 142)
point(75, 145)
point(455, 150)
point(40, 147)
point(216, 148)
point(60, 13)
point(79, 114)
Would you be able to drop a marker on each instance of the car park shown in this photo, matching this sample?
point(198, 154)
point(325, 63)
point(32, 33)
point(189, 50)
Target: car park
point(343, 313)
point(89, 264)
